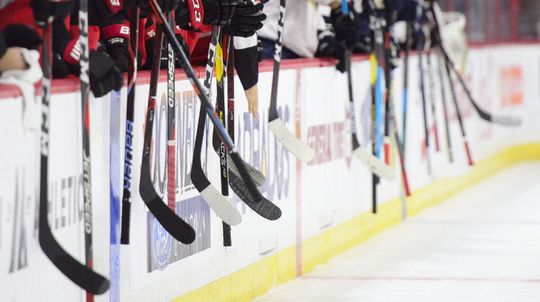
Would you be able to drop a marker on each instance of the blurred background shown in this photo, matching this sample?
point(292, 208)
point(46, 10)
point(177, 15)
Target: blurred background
point(498, 20)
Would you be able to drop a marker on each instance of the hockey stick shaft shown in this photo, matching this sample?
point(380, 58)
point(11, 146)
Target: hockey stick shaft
point(431, 87)
point(114, 190)
point(387, 93)
point(130, 127)
point(85, 119)
point(272, 113)
point(227, 238)
point(220, 107)
point(188, 69)
point(405, 91)
point(459, 115)
point(445, 111)
point(171, 124)
point(348, 67)
point(419, 48)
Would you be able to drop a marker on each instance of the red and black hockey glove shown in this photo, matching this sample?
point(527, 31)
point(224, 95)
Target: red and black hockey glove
point(116, 37)
point(238, 17)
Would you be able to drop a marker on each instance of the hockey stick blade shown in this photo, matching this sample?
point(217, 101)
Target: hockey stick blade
point(374, 164)
point(257, 175)
point(175, 225)
point(509, 121)
point(217, 202)
point(264, 208)
point(81, 275)
point(290, 142)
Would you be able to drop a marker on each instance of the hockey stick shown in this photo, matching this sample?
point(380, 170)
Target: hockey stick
point(406, 87)
point(177, 227)
point(207, 105)
point(431, 86)
point(261, 206)
point(458, 113)
point(419, 50)
point(384, 49)
point(217, 202)
point(275, 124)
point(371, 161)
point(81, 275)
point(503, 120)
point(130, 119)
point(445, 112)
point(114, 170)
point(227, 238)
point(374, 125)
point(85, 120)
point(171, 123)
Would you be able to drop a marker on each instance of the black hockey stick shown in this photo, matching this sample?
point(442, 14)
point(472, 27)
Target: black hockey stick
point(177, 227)
point(85, 121)
point(227, 238)
point(431, 86)
point(371, 161)
point(503, 120)
point(220, 110)
point(382, 48)
point(171, 124)
point(81, 275)
point(458, 113)
point(262, 206)
point(420, 49)
point(445, 111)
point(130, 119)
point(207, 105)
point(299, 149)
point(217, 202)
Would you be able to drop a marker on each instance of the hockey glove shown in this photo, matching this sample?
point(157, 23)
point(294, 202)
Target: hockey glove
point(116, 37)
point(104, 75)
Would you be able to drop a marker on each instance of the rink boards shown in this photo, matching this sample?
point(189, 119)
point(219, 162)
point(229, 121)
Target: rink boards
point(326, 203)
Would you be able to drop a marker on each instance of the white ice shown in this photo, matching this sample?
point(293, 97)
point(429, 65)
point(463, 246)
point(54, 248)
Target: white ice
point(481, 245)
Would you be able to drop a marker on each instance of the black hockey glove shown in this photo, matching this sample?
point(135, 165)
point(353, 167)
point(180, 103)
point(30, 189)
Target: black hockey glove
point(104, 75)
point(330, 47)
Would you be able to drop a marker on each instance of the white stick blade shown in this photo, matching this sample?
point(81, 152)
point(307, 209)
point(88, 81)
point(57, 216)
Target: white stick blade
point(510, 121)
point(375, 164)
point(221, 206)
point(290, 142)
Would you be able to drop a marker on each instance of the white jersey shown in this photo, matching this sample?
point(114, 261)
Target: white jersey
point(302, 21)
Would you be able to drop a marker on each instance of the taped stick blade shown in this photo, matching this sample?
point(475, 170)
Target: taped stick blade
point(375, 164)
point(221, 206)
point(299, 149)
point(509, 121)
